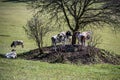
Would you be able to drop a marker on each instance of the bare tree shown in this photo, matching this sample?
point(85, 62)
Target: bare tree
point(80, 13)
point(36, 30)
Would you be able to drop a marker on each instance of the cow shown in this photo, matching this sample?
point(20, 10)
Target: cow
point(62, 37)
point(17, 42)
point(82, 37)
point(11, 54)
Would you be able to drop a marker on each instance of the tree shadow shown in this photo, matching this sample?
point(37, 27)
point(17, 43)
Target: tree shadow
point(4, 35)
point(16, 1)
point(2, 55)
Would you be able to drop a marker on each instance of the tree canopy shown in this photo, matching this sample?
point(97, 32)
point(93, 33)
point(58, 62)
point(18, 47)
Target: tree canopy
point(79, 13)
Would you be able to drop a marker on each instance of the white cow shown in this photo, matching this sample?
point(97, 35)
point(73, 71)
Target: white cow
point(60, 38)
point(82, 37)
point(11, 54)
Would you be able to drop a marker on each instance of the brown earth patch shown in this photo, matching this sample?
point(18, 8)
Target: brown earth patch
point(75, 54)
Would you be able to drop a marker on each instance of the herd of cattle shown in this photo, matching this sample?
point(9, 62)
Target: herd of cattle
point(62, 37)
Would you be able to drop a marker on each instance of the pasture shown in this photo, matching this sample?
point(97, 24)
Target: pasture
point(13, 16)
point(35, 70)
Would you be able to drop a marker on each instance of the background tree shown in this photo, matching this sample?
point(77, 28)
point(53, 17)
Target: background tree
point(36, 30)
point(80, 13)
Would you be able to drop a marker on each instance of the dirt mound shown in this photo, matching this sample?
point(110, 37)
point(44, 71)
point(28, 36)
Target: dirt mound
point(73, 54)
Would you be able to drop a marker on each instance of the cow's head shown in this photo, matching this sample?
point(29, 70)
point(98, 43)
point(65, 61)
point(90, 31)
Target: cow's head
point(68, 33)
point(60, 36)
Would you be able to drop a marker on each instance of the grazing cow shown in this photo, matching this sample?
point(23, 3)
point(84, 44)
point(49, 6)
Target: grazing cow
point(11, 54)
point(61, 37)
point(17, 42)
point(82, 37)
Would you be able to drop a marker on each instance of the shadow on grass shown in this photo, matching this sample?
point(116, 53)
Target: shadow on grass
point(16, 1)
point(4, 35)
point(2, 55)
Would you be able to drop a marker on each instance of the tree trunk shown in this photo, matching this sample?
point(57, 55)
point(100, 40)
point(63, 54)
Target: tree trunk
point(73, 38)
point(40, 49)
point(74, 35)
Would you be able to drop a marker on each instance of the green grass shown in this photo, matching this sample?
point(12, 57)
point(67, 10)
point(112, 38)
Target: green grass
point(35, 70)
point(13, 16)
point(109, 39)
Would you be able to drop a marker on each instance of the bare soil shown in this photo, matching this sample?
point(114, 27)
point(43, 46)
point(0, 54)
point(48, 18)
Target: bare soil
point(75, 54)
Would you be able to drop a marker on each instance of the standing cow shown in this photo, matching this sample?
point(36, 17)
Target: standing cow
point(82, 37)
point(61, 38)
point(17, 42)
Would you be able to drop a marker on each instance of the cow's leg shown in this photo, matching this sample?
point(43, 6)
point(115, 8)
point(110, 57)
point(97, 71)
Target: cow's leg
point(53, 40)
point(64, 42)
point(55, 48)
point(82, 42)
point(22, 46)
point(79, 41)
point(14, 46)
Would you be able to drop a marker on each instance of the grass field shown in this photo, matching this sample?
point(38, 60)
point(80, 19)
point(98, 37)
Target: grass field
point(13, 16)
point(35, 70)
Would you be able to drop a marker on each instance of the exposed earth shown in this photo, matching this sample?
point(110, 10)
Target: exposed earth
point(75, 54)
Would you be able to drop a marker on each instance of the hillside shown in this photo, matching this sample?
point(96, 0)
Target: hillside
point(73, 54)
